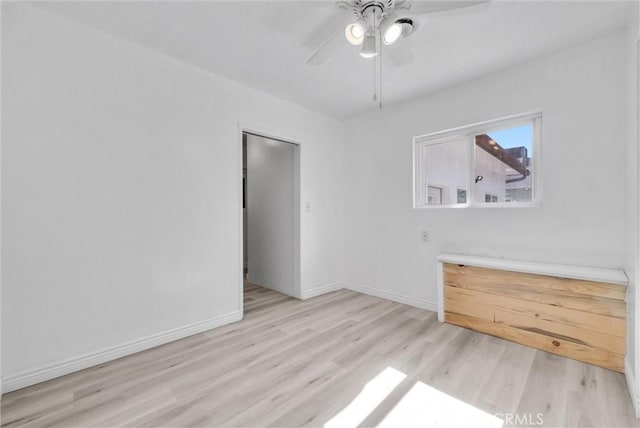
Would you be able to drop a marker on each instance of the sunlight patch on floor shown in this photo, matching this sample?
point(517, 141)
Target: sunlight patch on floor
point(424, 406)
point(373, 393)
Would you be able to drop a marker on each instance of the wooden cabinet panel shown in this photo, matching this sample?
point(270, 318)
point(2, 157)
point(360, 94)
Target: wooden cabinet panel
point(583, 320)
point(496, 277)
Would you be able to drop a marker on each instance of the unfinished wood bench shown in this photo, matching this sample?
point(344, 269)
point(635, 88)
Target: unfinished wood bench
point(574, 311)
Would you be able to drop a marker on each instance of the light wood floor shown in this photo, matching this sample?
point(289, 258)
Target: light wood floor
point(342, 359)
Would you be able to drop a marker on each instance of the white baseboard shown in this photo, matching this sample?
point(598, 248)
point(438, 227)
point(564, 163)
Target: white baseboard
point(318, 291)
point(359, 288)
point(629, 374)
point(418, 303)
point(32, 377)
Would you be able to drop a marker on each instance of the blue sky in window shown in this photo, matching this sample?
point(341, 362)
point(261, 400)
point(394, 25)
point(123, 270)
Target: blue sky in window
point(513, 137)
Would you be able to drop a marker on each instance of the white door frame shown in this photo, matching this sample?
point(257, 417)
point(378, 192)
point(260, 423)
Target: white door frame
point(242, 128)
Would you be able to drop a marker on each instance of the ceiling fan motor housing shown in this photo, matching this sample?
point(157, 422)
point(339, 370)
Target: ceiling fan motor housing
point(379, 13)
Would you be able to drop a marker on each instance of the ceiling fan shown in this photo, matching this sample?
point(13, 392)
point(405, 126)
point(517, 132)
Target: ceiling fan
point(374, 24)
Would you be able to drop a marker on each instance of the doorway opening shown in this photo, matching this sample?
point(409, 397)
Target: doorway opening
point(270, 213)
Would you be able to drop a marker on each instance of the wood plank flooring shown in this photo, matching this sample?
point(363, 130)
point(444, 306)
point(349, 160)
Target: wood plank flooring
point(342, 359)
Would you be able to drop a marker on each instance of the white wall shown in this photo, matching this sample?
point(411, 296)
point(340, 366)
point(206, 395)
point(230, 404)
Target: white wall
point(271, 221)
point(494, 176)
point(581, 93)
point(121, 181)
point(444, 165)
point(632, 211)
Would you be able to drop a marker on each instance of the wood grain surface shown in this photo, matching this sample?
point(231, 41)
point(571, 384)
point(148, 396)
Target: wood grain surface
point(578, 319)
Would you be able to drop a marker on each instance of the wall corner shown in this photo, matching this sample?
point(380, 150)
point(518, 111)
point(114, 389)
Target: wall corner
point(631, 384)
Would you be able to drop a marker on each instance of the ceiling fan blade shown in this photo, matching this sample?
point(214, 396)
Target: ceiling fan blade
point(421, 7)
point(399, 53)
point(331, 20)
point(327, 49)
point(332, 4)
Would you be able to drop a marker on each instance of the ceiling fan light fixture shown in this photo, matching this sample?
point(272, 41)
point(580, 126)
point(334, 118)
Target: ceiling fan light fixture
point(369, 48)
point(392, 33)
point(408, 26)
point(355, 32)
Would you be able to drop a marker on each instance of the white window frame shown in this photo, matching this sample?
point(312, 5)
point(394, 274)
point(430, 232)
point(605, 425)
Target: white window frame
point(468, 134)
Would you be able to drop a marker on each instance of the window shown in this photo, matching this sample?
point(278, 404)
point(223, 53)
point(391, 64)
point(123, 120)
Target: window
point(443, 162)
point(488, 197)
point(493, 164)
point(434, 195)
point(462, 196)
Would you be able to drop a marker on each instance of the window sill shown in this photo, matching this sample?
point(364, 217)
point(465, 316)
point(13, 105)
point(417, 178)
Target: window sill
point(481, 206)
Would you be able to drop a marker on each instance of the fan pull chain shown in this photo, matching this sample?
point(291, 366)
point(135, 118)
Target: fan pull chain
point(377, 66)
point(375, 61)
point(379, 57)
point(375, 80)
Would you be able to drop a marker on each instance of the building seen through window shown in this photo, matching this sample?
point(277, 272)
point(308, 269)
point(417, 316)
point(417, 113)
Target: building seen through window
point(502, 160)
point(480, 165)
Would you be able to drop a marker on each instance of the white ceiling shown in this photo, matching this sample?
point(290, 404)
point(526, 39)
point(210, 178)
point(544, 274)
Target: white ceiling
point(265, 44)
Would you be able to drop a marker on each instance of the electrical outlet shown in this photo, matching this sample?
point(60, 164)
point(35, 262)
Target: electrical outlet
point(425, 236)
